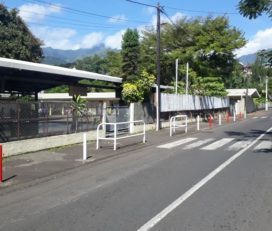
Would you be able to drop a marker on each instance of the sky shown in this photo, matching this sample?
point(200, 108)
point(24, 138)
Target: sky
point(74, 24)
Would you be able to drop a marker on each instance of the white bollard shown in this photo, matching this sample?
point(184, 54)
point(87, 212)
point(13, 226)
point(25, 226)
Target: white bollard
point(84, 146)
point(234, 117)
point(220, 119)
point(197, 121)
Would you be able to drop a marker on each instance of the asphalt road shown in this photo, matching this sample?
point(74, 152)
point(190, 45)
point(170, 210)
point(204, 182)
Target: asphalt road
point(213, 180)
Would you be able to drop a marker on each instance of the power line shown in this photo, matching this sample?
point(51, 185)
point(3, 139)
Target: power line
point(159, 9)
point(201, 11)
point(82, 12)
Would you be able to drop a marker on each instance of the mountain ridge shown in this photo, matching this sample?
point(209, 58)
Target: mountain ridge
point(58, 57)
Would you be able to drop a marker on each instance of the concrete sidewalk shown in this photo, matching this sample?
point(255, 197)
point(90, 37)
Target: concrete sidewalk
point(32, 168)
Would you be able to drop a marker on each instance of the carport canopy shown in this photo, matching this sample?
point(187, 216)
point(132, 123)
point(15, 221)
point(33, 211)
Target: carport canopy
point(27, 77)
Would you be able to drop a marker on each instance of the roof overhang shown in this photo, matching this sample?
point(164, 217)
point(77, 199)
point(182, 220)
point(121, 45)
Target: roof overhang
point(22, 76)
point(235, 93)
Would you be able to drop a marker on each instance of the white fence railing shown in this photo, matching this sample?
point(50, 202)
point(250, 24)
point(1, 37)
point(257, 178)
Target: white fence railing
point(178, 121)
point(117, 135)
point(176, 102)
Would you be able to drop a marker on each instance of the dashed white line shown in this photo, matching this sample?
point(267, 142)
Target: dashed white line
point(198, 143)
point(239, 145)
point(177, 143)
point(217, 144)
point(264, 145)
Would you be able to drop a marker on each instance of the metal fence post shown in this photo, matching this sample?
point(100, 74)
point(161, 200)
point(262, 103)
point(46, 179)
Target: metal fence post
point(197, 122)
point(115, 135)
point(144, 134)
point(131, 115)
point(186, 122)
point(84, 146)
point(104, 117)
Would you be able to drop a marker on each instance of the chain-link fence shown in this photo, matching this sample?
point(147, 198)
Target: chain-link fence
point(36, 119)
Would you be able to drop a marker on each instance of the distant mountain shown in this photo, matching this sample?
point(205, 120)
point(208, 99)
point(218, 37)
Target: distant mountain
point(57, 56)
point(248, 59)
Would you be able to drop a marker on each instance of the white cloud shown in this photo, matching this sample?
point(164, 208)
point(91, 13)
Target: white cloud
point(91, 40)
point(165, 19)
point(149, 10)
point(262, 40)
point(117, 19)
point(114, 41)
point(35, 12)
point(60, 38)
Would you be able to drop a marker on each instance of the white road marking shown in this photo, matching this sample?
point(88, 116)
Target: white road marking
point(161, 215)
point(217, 144)
point(255, 117)
point(264, 145)
point(264, 117)
point(177, 143)
point(239, 145)
point(198, 143)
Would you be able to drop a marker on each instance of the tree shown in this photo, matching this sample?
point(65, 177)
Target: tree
point(255, 8)
point(93, 63)
point(139, 89)
point(79, 109)
point(130, 55)
point(206, 43)
point(16, 40)
point(113, 62)
point(209, 86)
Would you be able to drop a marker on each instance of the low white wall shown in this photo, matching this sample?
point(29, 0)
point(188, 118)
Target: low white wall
point(37, 144)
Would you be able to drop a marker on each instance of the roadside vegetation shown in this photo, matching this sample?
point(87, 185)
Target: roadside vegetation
point(208, 44)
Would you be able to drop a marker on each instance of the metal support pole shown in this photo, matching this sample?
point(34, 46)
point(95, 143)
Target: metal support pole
point(197, 122)
point(84, 146)
point(158, 108)
point(187, 78)
point(266, 93)
point(186, 123)
point(144, 134)
point(115, 136)
point(176, 76)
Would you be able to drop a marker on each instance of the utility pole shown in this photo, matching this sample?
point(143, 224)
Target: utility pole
point(158, 108)
point(187, 78)
point(266, 93)
point(158, 63)
point(176, 76)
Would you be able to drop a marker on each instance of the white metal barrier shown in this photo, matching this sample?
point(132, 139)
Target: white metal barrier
point(115, 133)
point(174, 124)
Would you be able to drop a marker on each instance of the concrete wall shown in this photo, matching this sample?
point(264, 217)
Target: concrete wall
point(38, 144)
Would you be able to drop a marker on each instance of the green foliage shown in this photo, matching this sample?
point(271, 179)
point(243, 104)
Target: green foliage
point(93, 64)
point(255, 8)
point(131, 93)
point(138, 90)
point(180, 90)
point(16, 40)
point(206, 43)
point(209, 86)
point(130, 55)
point(113, 62)
point(58, 89)
point(79, 105)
